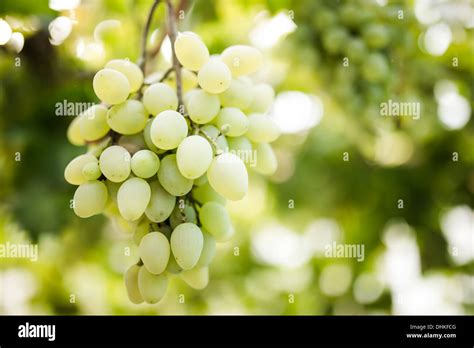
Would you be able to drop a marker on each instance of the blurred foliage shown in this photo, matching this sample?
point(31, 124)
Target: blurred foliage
point(80, 264)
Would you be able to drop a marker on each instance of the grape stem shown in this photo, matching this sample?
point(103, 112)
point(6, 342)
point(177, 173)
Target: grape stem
point(213, 142)
point(166, 74)
point(142, 60)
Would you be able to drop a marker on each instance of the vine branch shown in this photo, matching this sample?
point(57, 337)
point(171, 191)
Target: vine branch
point(155, 50)
point(143, 55)
point(172, 31)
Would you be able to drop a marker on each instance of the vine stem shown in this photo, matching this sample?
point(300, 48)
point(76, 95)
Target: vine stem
point(143, 55)
point(183, 4)
point(172, 32)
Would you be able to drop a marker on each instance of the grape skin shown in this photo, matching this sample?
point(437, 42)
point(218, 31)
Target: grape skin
point(154, 251)
point(171, 178)
point(186, 243)
point(131, 71)
point(152, 287)
point(228, 176)
point(214, 77)
point(90, 199)
point(191, 51)
point(168, 129)
point(111, 86)
point(133, 197)
point(192, 148)
point(131, 284)
point(114, 163)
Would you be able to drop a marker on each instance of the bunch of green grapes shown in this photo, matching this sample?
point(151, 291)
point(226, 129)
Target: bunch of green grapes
point(362, 46)
point(163, 170)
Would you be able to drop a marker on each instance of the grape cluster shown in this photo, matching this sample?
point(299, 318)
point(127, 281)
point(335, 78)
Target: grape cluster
point(163, 168)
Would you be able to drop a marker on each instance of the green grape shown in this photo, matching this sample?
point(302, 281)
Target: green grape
point(132, 143)
point(112, 189)
point(228, 176)
point(188, 95)
point(236, 120)
point(166, 230)
point(214, 134)
point(159, 97)
point(128, 117)
point(114, 163)
point(152, 287)
point(73, 171)
point(335, 39)
point(262, 98)
point(154, 251)
point(111, 209)
point(186, 244)
point(94, 123)
point(171, 179)
point(351, 15)
point(197, 278)
point(145, 164)
point(215, 219)
point(188, 80)
point(266, 162)
point(131, 71)
point(98, 146)
point(111, 86)
point(194, 156)
point(214, 77)
point(356, 50)
point(202, 180)
point(221, 142)
point(376, 35)
point(74, 134)
point(205, 193)
point(324, 18)
point(202, 107)
point(91, 171)
point(176, 217)
point(147, 138)
point(238, 95)
point(142, 228)
point(107, 31)
point(90, 199)
point(262, 129)
point(246, 80)
point(242, 60)
point(161, 203)
point(132, 198)
point(191, 51)
point(375, 68)
point(240, 145)
point(208, 250)
point(168, 129)
point(173, 266)
point(124, 225)
point(131, 284)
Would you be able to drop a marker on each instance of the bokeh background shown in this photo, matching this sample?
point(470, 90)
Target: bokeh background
point(401, 187)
